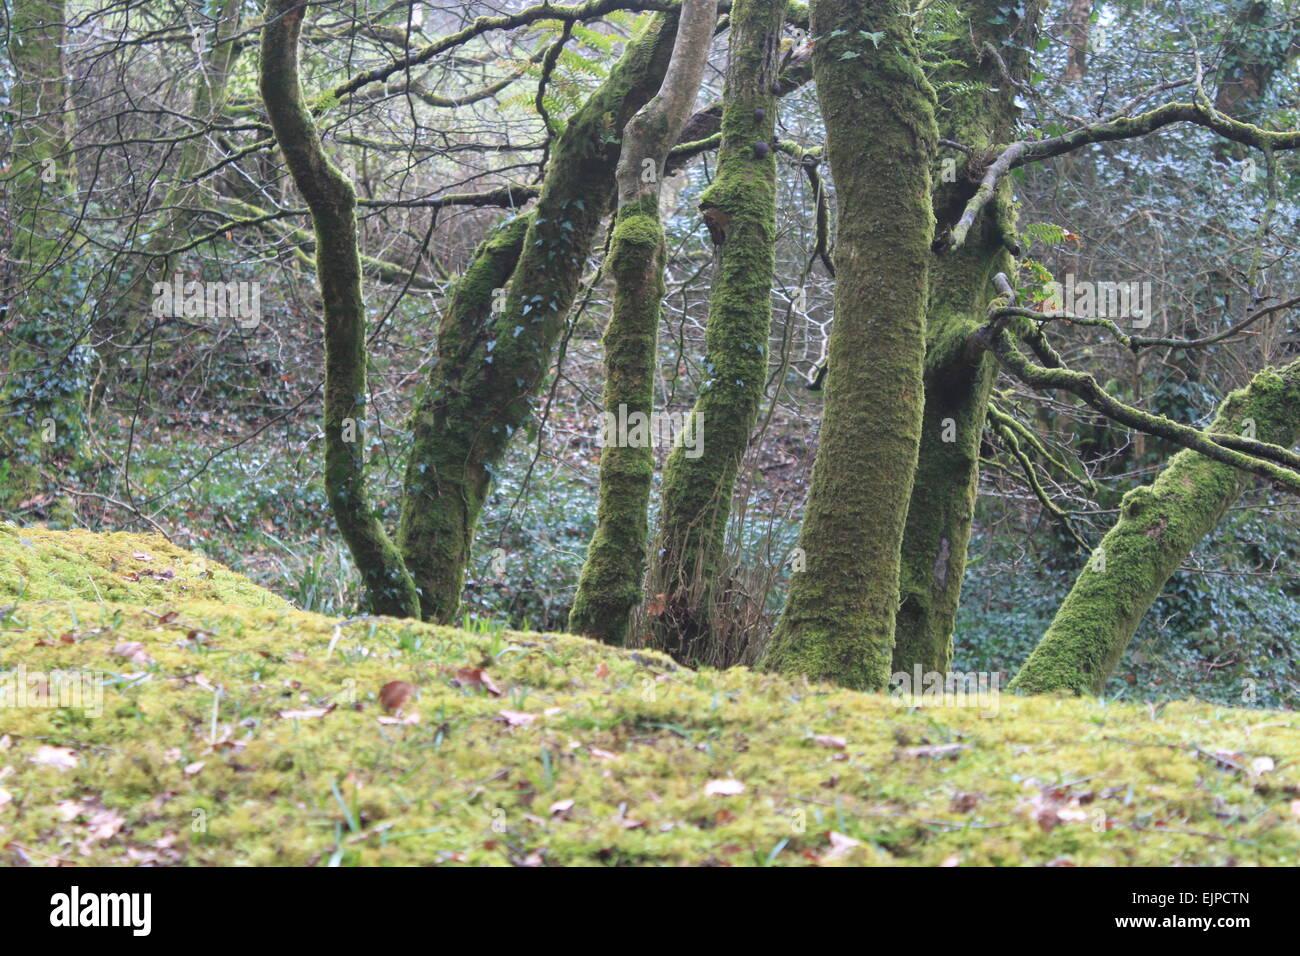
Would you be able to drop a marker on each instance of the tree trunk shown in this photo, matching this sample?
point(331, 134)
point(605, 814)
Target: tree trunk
point(941, 508)
point(332, 201)
point(958, 378)
point(43, 396)
point(1158, 527)
point(1075, 29)
point(838, 621)
point(740, 211)
point(610, 583)
point(492, 360)
point(1250, 62)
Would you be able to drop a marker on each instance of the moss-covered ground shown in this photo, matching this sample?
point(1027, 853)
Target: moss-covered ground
point(234, 729)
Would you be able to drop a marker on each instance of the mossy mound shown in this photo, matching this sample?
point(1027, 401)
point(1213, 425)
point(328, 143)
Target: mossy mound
point(41, 565)
point(234, 729)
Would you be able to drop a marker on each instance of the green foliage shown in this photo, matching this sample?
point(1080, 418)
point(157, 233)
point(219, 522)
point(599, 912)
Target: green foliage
point(1049, 234)
point(542, 540)
point(937, 28)
point(1033, 282)
point(582, 64)
point(1226, 634)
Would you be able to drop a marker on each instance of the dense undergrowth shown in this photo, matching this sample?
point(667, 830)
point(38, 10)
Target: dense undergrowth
point(1223, 630)
point(234, 728)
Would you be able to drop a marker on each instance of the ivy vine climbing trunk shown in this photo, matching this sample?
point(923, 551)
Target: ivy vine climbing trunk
point(838, 620)
point(42, 398)
point(332, 201)
point(610, 583)
point(980, 113)
point(496, 342)
point(740, 211)
point(1158, 526)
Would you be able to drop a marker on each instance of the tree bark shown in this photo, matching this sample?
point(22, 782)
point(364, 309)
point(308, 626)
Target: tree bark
point(43, 395)
point(838, 620)
point(1158, 527)
point(610, 583)
point(740, 211)
point(1253, 55)
point(1075, 24)
point(958, 378)
point(389, 588)
point(491, 361)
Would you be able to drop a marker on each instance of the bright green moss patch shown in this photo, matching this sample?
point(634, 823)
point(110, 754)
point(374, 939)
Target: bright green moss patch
point(41, 565)
point(252, 735)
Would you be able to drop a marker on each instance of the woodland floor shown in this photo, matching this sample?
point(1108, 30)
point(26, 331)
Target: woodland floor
point(235, 729)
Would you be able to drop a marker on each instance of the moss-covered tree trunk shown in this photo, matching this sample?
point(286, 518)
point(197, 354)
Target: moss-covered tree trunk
point(42, 398)
point(838, 620)
point(1158, 527)
point(332, 201)
point(958, 382)
point(610, 583)
point(740, 211)
point(494, 347)
point(980, 113)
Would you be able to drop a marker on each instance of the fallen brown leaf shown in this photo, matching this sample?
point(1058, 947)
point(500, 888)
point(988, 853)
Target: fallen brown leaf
point(477, 677)
point(134, 652)
point(394, 695)
point(411, 718)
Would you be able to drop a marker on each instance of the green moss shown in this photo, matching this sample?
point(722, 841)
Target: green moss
point(740, 206)
point(444, 486)
point(958, 383)
point(1158, 527)
point(388, 585)
point(482, 388)
point(839, 617)
point(44, 363)
point(37, 564)
point(609, 587)
point(634, 236)
point(977, 108)
point(629, 738)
